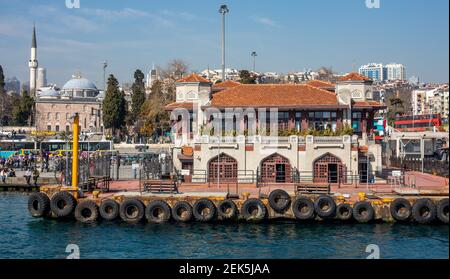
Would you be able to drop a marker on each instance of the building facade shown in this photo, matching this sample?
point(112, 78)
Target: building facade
point(227, 135)
point(376, 72)
point(55, 108)
point(396, 72)
point(380, 72)
point(430, 101)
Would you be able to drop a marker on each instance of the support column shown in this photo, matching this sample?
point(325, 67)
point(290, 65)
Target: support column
point(304, 120)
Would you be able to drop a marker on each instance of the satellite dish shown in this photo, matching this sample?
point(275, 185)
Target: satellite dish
point(344, 96)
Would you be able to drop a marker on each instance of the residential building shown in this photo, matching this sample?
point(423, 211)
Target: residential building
point(396, 72)
point(431, 100)
point(376, 72)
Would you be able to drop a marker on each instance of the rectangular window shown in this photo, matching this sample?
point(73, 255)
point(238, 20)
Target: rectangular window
point(283, 120)
point(49, 127)
point(321, 120)
point(298, 121)
point(356, 120)
point(57, 128)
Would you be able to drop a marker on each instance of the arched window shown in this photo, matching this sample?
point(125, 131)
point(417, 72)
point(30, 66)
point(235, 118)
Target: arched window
point(49, 116)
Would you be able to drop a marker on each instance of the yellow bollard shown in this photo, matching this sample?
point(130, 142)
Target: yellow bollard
point(362, 196)
point(245, 195)
point(95, 194)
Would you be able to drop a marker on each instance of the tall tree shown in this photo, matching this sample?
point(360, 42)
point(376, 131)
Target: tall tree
point(138, 93)
point(246, 77)
point(2, 81)
point(3, 101)
point(156, 119)
point(114, 106)
point(22, 109)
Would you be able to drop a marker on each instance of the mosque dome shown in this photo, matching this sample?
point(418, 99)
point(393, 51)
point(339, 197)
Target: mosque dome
point(48, 92)
point(79, 87)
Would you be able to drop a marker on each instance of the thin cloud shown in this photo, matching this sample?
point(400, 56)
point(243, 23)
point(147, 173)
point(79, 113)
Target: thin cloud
point(265, 21)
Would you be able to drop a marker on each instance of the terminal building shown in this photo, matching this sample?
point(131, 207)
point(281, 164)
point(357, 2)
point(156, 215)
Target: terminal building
point(326, 135)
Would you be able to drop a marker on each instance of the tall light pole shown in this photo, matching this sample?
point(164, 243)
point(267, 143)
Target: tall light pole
point(223, 10)
point(254, 54)
point(105, 64)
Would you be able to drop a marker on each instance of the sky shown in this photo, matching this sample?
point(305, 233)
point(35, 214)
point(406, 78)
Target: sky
point(288, 35)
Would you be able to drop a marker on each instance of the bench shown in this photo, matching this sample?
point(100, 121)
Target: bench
point(160, 186)
point(312, 189)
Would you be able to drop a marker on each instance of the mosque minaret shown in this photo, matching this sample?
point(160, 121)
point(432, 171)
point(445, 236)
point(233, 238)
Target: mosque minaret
point(33, 64)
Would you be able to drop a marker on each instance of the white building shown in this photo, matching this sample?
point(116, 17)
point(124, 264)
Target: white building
point(41, 78)
point(374, 71)
point(396, 72)
point(431, 100)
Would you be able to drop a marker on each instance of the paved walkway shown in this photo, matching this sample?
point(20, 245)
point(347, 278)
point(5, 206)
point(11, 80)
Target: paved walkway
point(422, 182)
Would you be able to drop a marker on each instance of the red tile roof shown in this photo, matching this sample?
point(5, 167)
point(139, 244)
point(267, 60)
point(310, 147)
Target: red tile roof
point(226, 84)
point(175, 105)
point(321, 84)
point(368, 104)
point(274, 95)
point(354, 76)
point(194, 78)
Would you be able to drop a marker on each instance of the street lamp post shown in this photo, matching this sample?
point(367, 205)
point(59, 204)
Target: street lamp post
point(223, 10)
point(105, 64)
point(254, 54)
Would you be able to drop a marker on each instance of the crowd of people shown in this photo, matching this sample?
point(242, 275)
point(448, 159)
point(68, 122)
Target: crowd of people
point(21, 162)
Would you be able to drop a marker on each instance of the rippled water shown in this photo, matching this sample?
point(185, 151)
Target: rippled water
point(22, 236)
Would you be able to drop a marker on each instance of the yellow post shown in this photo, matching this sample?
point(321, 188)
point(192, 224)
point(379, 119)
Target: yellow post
point(76, 126)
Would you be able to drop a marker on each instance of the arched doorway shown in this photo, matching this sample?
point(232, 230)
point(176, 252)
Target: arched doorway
point(276, 169)
point(223, 167)
point(329, 169)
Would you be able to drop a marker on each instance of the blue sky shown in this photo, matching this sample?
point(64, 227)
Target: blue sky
point(288, 35)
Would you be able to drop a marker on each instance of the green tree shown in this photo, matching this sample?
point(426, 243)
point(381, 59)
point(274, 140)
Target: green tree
point(156, 119)
point(138, 96)
point(2, 81)
point(246, 77)
point(22, 109)
point(114, 106)
point(395, 107)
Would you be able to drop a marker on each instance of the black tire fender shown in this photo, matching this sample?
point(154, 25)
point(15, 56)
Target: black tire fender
point(204, 210)
point(254, 210)
point(363, 212)
point(86, 211)
point(182, 211)
point(109, 210)
point(303, 209)
point(157, 212)
point(325, 207)
point(227, 209)
point(62, 204)
point(442, 210)
point(424, 211)
point(38, 204)
point(401, 209)
point(132, 210)
point(344, 212)
point(279, 200)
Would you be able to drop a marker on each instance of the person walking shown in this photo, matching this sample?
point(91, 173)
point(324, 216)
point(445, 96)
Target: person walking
point(35, 176)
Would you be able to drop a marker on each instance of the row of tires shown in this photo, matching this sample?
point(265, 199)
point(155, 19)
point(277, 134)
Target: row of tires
point(64, 205)
point(424, 211)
